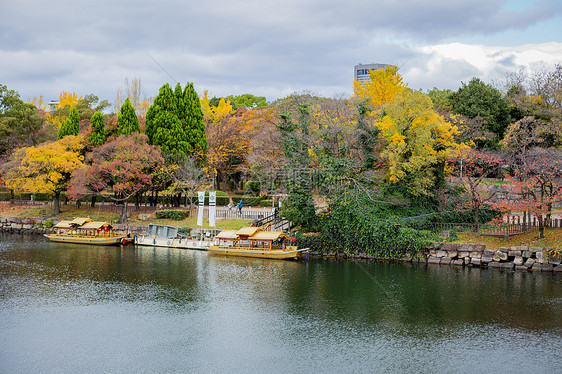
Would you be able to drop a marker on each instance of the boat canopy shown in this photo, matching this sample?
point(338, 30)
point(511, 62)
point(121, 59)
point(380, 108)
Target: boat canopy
point(64, 225)
point(80, 221)
point(95, 225)
point(268, 235)
point(227, 234)
point(162, 231)
point(248, 231)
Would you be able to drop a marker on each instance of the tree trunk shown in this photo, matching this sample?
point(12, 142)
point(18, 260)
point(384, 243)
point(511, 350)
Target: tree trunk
point(476, 219)
point(94, 198)
point(56, 204)
point(541, 226)
point(123, 217)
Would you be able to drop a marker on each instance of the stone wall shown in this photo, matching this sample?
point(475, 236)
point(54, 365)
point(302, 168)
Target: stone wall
point(23, 226)
point(521, 258)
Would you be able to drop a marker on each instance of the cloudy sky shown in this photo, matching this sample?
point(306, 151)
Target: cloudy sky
point(268, 48)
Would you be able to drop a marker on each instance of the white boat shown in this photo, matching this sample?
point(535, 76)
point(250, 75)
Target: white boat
point(169, 236)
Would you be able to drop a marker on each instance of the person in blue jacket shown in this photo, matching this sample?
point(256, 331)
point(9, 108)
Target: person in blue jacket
point(240, 205)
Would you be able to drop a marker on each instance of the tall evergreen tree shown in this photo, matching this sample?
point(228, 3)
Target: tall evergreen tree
point(98, 135)
point(127, 120)
point(71, 126)
point(175, 121)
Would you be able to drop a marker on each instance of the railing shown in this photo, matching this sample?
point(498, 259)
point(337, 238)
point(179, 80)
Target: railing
point(501, 230)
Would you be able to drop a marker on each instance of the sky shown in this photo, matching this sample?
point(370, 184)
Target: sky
point(268, 48)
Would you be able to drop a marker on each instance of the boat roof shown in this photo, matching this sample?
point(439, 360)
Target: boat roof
point(80, 221)
point(64, 225)
point(95, 225)
point(227, 234)
point(268, 235)
point(248, 231)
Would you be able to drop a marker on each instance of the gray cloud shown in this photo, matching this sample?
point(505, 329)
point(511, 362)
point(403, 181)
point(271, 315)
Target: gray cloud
point(265, 47)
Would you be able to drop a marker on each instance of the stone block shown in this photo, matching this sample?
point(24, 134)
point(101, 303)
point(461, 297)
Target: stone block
point(476, 261)
point(433, 260)
point(467, 260)
point(536, 267)
point(488, 252)
point(458, 262)
point(448, 246)
point(452, 254)
point(527, 254)
point(546, 267)
point(518, 260)
point(555, 260)
point(441, 253)
point(521, 248)
point(540, 257)
point(445, 261)
point(475, 255)
point(521, 267)
point(504, 249)
point(500, 256)
point(514, 253)
point(535, 249)
point(494, 265)
point(557, 268)
point(530, 262)
point(463, 254)
point(487, 258)
point(507, 265)
point(432, 251)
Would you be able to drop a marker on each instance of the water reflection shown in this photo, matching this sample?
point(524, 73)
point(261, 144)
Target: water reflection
point(68, 308)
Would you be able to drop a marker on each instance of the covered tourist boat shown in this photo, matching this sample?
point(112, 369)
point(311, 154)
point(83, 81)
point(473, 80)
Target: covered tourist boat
point(85, 231)
point(254, 242)
point(170, 237)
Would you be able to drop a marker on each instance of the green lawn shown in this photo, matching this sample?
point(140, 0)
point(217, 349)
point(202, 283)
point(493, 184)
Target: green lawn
point(552, 239)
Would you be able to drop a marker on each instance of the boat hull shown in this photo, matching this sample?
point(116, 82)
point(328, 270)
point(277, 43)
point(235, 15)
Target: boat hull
point(273, 254)
point(114, 240)
point(171, 243)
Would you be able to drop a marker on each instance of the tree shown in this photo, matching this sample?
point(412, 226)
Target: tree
point(71, 126)
point(175, 121)
point(188, 175)
point(247, 101)
point(118, 170)
point(385, 84)
point(127, 121)
point(471, 167)
point(46, 168)
point(20, 124)
point(478, 99)
point(98, 135)
point(418, 141)
point(537, 180)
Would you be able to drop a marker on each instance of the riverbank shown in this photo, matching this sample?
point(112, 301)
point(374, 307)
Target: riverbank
point(517, 258)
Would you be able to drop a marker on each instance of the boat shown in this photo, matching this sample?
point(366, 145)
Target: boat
point(254, 242)
point(86, 231)
point(169, 236)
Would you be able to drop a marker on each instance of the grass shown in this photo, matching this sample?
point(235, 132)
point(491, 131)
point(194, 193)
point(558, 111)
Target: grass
point(552, 239)
point(69, 212)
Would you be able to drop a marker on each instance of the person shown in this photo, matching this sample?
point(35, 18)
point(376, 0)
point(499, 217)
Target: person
point(229, 206)
point(240, 205)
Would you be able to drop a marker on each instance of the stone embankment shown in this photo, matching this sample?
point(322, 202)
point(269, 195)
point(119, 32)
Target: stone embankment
point(31, 226)
point(521, 258)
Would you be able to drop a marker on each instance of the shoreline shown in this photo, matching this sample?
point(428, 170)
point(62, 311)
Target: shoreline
point(520, 258)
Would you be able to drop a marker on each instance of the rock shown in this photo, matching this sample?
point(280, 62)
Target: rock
point(503, 250)
point(518, 260)
point(527, 254)
point(514, 253)
point(540, 257)
point(448, 246)
point(555, 261)
point(476, 261)
point(521, 248)
point(467, 260)
point(546, 267)
point(475, 255)
point(521, 268)
point(433, 260)
point(452, 254)
point(458, 262)
point(494, 265)
point(530, 262)
point(557, 268)
point(432, 251)
point(445, 261)
point(507, 265)
point(441, 253)
point(487, 258)
point(536, 267)
point(488, 252)
point(500, 256)
point(463, 254)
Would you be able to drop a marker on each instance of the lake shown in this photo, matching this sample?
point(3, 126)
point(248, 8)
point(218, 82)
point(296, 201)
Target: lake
point(68, 308)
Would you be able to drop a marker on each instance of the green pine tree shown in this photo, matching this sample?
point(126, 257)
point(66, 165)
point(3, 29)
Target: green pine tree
point(127, 120)
point(71, 126)
point(98, 135)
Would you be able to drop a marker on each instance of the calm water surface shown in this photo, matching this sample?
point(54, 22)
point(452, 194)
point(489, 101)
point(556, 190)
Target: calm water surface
point(83, 309)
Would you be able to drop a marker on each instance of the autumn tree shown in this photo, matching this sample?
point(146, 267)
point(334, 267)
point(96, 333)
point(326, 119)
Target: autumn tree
point(98, 135)
point(20, 124)
point(71, 126)
point(46, 168)
point(471, 167)
point(247, 101)
point(118, 170)
point(385, 84)
point(127, 121)
point(537, 179)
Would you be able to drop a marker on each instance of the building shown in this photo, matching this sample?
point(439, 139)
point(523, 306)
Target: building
point(52, 105)
point(362, 71)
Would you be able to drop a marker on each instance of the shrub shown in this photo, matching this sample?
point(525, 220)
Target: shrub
point(176, 215)
point(48, 223)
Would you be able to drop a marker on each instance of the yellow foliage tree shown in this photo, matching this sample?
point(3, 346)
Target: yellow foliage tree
point(385, 84)
point(46, 168)
point(68, 99)
point(418, 141)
